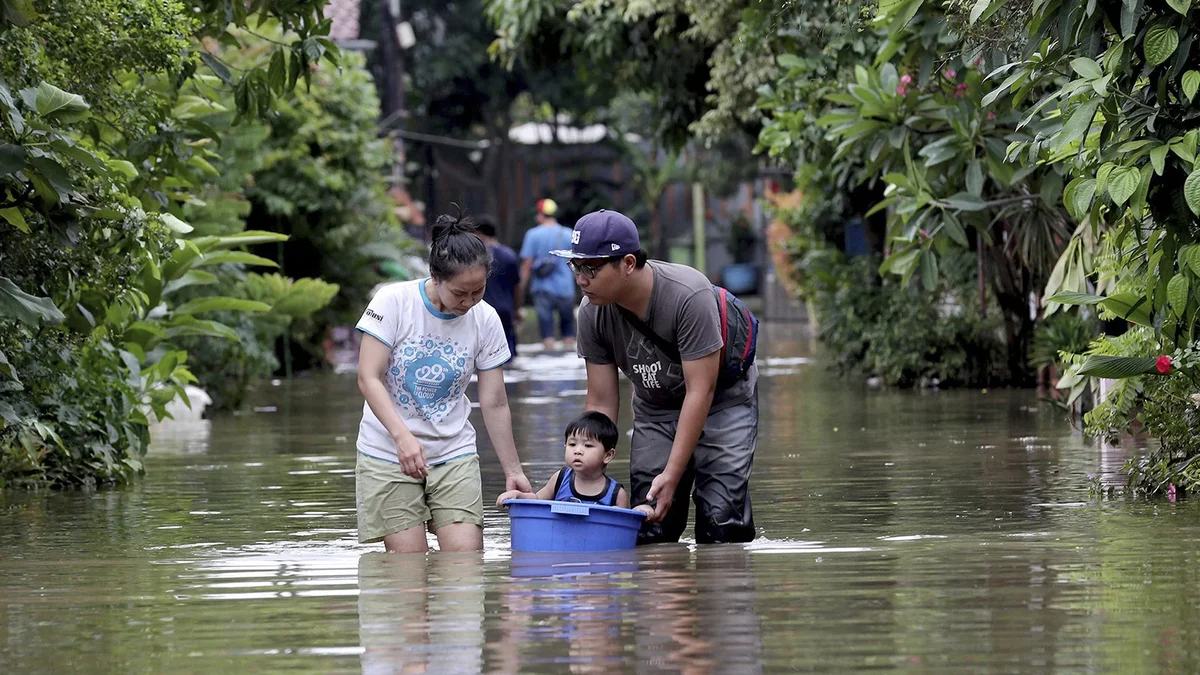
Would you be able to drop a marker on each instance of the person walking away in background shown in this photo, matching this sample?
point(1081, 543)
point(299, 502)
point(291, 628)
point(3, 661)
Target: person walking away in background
point(503, 286)
point(547, 277)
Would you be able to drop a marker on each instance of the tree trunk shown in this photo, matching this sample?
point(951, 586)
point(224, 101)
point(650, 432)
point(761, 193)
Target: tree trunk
point(1012, 286)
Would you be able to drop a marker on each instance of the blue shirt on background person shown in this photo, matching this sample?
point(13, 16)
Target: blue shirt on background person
point(539, 241)
point(549, 281)
point(503, 282)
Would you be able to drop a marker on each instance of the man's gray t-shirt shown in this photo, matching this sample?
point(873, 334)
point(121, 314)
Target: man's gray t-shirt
point(683, 311)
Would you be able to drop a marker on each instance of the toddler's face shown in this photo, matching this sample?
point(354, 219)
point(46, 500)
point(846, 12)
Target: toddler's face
point(586, 454)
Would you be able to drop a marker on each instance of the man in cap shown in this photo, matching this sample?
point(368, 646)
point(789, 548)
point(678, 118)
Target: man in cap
point(686, 431)
point(547, 278)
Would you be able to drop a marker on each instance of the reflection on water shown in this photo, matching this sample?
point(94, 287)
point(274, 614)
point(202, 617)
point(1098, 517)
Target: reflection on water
point(919, 532)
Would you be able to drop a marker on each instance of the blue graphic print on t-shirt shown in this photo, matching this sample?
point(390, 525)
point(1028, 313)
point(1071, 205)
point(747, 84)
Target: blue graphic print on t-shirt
point(428, 374)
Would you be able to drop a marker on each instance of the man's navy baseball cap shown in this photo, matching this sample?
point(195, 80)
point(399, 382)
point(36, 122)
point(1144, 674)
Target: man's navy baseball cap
point(602, 234)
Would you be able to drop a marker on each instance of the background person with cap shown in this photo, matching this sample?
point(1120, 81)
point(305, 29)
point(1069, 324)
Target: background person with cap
point(547, 278)
point(686, 431)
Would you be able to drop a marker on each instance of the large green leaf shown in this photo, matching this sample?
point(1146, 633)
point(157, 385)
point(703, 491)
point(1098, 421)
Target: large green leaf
point(1177, 294)
point(24, 307)
point(1191, 191)
point(966, 202)
point(975, 178)
point(1078, 196)
point(1075, 298)
point(305, 297)
point(929, 270)
point(786, 61)
point(1087, 68)
point(1128, 306)
point(1181, 6)
point(900, 263)
point(1122, 183)
point(954, 229)
point(79, 155)
point(241, 257)
point(15, 218)
point(1117, 367)
point(220, 304)
point(1190, 256)
point(1160, 43)
point(1190, 82)
point(1004, 87)
point(125, 168)
point(191, 278)
point(188, 326)
point(983, 9)
point(219, 69)
point(12, 158)
point(53, 103)
point(181, 260)
point(174, 223)
point(1158, 158)
point(1080, 121)
point(247, 238)
point(54, 174)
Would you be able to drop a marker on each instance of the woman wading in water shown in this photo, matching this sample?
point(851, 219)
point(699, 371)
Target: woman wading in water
point(417, 462)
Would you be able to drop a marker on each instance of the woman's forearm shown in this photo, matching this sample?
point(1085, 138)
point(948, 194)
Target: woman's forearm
point(376, 393)
point(498, 420)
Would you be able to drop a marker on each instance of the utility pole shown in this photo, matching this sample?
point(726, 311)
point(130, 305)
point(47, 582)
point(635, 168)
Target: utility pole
point(393, 60)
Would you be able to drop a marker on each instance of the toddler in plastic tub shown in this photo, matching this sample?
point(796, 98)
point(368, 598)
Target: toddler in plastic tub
point(590, 444)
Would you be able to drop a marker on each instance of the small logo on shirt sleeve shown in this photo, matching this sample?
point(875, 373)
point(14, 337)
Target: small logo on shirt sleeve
point(374, 315)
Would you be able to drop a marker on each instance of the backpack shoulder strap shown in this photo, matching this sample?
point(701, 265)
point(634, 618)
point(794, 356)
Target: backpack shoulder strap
point(665, 347)
point(723, 307)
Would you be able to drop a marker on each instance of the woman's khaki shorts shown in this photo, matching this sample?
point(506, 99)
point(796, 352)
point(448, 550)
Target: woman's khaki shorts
point(389, 501)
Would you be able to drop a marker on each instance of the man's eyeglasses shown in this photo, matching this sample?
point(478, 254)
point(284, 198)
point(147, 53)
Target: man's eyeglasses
point(588, 271)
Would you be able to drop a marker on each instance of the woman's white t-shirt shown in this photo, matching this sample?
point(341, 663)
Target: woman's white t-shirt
point(434, 355)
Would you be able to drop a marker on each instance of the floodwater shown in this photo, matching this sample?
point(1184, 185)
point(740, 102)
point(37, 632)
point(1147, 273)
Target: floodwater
point(898, 531)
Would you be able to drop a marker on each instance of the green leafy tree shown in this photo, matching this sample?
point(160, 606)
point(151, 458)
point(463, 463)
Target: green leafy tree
point(94, 298)
point(1117, 114)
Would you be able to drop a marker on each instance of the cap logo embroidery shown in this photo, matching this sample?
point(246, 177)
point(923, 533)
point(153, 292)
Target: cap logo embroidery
point(616, 247)
point(575, 237)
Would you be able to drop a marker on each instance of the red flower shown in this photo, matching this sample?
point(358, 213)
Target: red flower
point(1163, 364)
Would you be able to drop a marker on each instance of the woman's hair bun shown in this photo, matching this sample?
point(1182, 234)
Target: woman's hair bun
point(456, 246)
point(447, 224)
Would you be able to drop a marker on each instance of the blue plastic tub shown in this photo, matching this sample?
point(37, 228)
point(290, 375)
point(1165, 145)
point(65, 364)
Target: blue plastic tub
point(564, 564)
point(541, 525)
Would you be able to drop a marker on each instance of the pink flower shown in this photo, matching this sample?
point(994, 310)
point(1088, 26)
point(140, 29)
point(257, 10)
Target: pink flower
point(951, 74)
point(905, 79)
point(960, 90)
point(1163, 364)
point(901, 90)
point(924, 234)
point(1172, 493)
point(991, 116)
point(979, 62)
